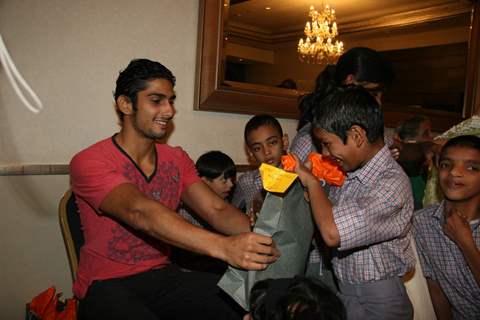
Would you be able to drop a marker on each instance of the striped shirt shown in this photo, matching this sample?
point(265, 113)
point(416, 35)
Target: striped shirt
point(302, 144)
point(373, 211)
point(442, 261)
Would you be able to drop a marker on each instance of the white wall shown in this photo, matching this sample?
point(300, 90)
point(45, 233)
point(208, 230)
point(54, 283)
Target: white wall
point(70, 52)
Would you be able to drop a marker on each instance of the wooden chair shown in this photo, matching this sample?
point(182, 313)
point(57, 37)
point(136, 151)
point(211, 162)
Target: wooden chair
point(71, 229)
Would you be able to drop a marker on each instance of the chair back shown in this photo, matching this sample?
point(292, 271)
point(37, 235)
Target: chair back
point(71, 229)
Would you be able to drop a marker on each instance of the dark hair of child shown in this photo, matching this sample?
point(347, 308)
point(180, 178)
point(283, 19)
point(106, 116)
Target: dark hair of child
point(296, 298)
point(348, 106)
point(468, 141)
point(259, 121)
point(215, 163)
point(365, 64)
point(409, 128)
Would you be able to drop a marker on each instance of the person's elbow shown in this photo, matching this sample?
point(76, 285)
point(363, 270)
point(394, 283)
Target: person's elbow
point(331, 237)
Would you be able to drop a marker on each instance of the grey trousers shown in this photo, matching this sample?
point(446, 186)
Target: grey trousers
point(383, 299)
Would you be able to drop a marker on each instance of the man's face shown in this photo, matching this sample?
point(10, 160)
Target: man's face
point(220, 185)
point(266, 145)
point(154, 109)
point(346, 155)
point(459, 173)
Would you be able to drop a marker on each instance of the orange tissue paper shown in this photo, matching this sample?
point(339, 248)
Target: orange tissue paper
point(322, 167)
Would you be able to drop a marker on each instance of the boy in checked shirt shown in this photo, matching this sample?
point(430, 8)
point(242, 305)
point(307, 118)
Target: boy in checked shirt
point(366, 221)
point(448, 234)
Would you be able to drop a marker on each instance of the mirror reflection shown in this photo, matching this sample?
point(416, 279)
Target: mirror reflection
point(426, 42)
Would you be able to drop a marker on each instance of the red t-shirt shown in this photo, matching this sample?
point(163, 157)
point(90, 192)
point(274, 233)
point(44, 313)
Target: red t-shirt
point(113, 249)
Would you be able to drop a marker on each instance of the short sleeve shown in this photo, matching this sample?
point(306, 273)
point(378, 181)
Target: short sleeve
point(422, 246)
point(93, 176)
point(187, 167)
point(381, 215)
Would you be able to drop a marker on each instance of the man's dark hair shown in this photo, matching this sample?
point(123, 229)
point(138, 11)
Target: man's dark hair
point(259, 121)
point(296, 298)
point(135, 77)
point(215, 163)
point(468, 141)
point(348, 106)
point(409, 128)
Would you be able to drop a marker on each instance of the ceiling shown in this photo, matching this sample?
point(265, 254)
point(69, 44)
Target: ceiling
point(290, 15)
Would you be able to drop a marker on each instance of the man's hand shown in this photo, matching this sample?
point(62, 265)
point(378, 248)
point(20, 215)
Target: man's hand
point(458, 229)
point(250, 251)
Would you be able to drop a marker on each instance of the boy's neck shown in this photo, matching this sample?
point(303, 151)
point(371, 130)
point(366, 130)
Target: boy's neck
point(469, 208)
point(371, 150)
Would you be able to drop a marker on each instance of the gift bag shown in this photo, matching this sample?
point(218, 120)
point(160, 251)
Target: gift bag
point(288, 220)
point(48, 306)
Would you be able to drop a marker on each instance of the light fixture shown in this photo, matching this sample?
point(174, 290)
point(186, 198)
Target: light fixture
point(320, 44)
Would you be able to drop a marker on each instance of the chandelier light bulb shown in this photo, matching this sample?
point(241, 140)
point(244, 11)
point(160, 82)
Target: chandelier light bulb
point(320, 44)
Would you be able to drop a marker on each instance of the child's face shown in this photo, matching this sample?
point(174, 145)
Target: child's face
point(459, 173)
point(346, 155)
point(266, 145)
point(220, 185)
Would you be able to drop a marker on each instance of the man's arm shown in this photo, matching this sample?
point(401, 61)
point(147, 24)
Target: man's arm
point(217, 212)
point(439, 300)
point(248, 250)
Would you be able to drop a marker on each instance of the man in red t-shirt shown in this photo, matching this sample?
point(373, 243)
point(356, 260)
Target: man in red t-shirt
point(127, 188)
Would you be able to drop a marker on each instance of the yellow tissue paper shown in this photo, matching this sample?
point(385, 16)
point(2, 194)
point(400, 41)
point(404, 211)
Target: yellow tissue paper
point(275, 179)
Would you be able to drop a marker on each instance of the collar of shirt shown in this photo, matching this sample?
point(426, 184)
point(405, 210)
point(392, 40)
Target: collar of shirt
point(439, 214)
point(370, 170)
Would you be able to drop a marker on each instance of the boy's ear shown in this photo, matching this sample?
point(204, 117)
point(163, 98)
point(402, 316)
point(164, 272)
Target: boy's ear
point(358, 135)
point(285, 142)
point(125, 105)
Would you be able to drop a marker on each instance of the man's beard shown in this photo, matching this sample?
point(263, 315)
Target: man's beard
point(146, 133)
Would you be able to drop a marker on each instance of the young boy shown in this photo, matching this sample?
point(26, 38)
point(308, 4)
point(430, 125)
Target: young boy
point(367, 220)
point(218, 171)
point(266, 143)
point(448, 234)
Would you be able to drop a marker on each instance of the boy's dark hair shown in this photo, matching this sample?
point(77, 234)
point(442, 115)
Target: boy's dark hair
point(296, 298)
point(409, 128)
point(135, 77)
point(365, 64)
point(259, 121)
point(348, 106)
point(468, 141)
point(215, 163)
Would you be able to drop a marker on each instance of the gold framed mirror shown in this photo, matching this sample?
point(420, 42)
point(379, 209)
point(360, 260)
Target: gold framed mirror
point(216, 92)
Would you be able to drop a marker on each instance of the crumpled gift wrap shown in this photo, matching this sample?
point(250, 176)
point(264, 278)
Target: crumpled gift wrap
point(275, 179)
point(323, 168)
point(288, 220)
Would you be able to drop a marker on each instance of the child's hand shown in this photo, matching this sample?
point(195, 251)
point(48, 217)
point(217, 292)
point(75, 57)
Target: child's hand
point(458, 229)
point(303, 171)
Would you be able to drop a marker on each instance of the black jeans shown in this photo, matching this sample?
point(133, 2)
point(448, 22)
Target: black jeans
point(167, 293)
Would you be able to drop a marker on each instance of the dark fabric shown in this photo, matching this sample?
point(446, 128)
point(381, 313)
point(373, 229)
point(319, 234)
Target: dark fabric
point(74, 224)
point(167, 293)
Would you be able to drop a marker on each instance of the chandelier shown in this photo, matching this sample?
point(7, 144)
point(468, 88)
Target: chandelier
point(320, 45)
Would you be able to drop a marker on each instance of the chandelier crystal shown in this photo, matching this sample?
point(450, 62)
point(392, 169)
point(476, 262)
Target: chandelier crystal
point(320, 45)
